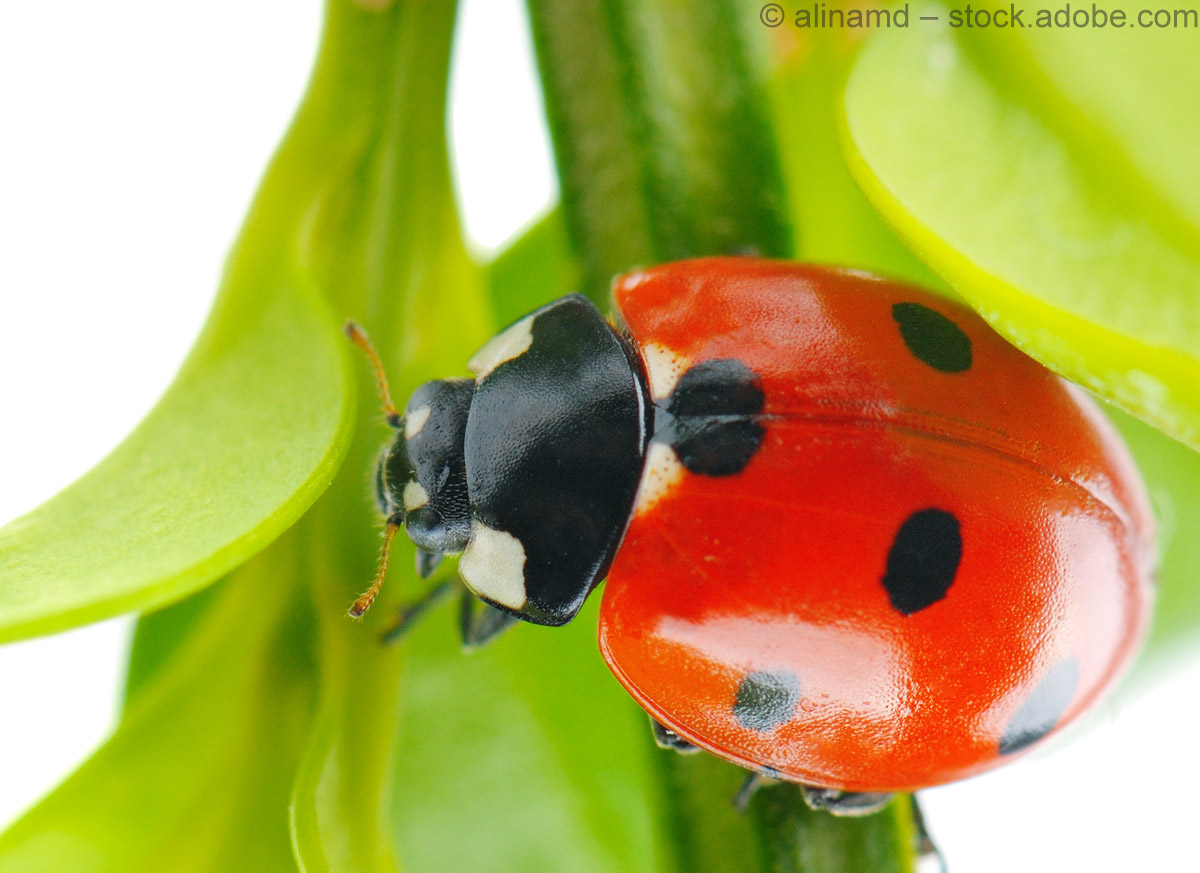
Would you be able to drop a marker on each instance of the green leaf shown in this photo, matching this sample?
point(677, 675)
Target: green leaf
point(198, 775)
point(359, 198)
point(1049, 176)
point(535, 268)
point(157, 635)
point(524, 756)
point(246, 438)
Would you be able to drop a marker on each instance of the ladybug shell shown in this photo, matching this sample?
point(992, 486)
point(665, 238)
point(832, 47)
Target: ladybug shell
point(939, 553)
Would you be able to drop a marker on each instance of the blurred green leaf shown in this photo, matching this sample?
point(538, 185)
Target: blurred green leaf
point(158, 634)
point(1049, 176)
point(533, 269)
point(198, 775)
point(524, 756)
point(358, 199)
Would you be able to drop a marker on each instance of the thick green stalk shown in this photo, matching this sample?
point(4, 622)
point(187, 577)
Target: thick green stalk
point(660, 133)
point(805, 841)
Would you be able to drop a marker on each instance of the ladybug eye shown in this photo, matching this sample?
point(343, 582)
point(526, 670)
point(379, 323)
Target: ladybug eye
point(381, 497)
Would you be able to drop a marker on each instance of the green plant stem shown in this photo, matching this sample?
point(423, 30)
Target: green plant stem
point(805, 841)
point(660, 133)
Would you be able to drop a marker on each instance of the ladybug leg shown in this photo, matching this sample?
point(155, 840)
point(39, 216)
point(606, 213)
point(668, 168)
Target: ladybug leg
point(753, 783)
point(928, 854)
point(427, 562)
point(848, 803)
point(668, 739)
point(413, 611)
point(479, 623)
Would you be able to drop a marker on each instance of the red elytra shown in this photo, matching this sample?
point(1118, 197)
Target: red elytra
point(932, 561)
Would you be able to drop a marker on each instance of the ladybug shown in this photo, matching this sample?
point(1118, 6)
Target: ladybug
point(852, 538)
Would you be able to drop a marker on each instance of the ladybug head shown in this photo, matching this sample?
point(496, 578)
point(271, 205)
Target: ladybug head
point(421, 480)
point(529, 469)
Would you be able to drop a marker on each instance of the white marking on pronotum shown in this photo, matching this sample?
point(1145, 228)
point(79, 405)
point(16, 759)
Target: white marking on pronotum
point(664, 366)
point(493, 566)
point(414, 496)
point(415, 421)
point(510, 343)
point(662, 473)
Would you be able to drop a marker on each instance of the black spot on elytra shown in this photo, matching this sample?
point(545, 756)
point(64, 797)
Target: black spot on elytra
point(923, 560)
point(933, 338)
point(1042, 708)
point(766, 699)
point(710, 419)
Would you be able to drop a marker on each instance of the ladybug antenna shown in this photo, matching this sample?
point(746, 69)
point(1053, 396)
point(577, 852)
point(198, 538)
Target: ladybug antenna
point(368, 597)
point(359, 337)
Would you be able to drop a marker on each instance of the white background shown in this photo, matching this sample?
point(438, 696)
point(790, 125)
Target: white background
point(132, 136)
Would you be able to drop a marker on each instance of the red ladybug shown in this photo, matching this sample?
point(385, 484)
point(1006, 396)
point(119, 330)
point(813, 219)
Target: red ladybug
point(852, 538)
